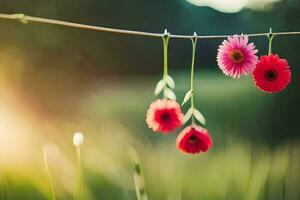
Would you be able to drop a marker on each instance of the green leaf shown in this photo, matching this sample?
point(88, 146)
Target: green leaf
point(169, 80)
point(170, 94)
point(159, 87)
point(187, 97)
point(187, 115)
point(198, 115)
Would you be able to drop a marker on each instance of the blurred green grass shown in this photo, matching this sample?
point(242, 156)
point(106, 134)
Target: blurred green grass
point(243, 163)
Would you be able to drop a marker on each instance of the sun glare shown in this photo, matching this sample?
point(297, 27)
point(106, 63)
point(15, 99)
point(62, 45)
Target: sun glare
point(231, 6)
point(14, 137)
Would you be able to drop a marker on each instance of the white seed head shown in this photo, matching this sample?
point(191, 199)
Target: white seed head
point(78, 139)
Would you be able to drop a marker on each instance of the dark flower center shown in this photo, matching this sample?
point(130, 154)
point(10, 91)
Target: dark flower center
point(165, 117)
point(236, 56)
point(271, 75)
point(192, 139)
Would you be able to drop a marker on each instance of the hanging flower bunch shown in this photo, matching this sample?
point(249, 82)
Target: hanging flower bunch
point(236, 57)
point(165, 115)
point(193, 138)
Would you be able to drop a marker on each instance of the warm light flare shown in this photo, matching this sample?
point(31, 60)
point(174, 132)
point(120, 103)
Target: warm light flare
point(15, 138)
point(18, 139)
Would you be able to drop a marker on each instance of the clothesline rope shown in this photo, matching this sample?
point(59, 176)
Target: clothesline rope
point(25, 19)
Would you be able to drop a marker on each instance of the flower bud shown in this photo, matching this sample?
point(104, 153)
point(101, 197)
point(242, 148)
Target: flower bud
point(78, 139)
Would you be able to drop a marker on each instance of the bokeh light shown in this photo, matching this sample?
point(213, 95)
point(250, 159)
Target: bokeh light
point(232, 6)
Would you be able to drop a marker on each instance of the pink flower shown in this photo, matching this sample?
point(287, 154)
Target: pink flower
point(236, 57)
point(164, 116)
point(194, 139)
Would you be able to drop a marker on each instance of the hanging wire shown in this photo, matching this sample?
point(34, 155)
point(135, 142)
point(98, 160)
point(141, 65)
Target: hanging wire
point(25, 19)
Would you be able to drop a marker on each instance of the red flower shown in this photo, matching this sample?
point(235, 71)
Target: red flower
point(272, 74)
point(194, 139)
point(164, 116)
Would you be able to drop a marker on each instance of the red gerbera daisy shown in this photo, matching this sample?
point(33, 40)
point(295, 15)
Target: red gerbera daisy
point(194, 139)
point(164, 115)
point(272, 74)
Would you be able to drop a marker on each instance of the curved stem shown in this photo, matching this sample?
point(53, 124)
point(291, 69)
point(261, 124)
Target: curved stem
point(194, 44)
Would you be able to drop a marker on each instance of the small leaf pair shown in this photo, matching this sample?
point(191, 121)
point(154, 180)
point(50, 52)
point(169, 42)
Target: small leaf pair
point(195, 113)
point(166, 85)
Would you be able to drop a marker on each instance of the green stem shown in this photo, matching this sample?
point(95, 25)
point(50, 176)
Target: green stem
point(270, 36)
point(165, 40)
point(49, 177)
point(194, 44)
point(78, 195)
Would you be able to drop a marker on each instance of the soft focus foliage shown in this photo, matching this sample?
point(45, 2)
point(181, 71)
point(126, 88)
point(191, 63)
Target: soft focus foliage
point(237, 167)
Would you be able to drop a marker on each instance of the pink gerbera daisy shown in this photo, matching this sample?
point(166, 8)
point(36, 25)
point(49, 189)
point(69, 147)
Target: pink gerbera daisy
point(272, 74)
point(194, 139)
point(236, 57)
point(164, 116)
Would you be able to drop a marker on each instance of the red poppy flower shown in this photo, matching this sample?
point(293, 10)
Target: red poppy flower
point(272, 74)
point(194, 139)
point(164, 116)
